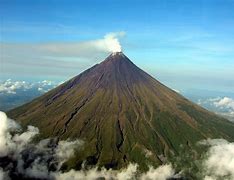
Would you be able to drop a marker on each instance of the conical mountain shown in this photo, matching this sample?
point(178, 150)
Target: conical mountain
point(122, 114)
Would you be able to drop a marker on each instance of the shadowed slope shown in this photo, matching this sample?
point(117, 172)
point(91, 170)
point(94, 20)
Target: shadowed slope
point(123, 114)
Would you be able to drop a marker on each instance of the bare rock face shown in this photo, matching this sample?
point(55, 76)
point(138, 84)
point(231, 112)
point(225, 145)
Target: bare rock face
point(123, 115)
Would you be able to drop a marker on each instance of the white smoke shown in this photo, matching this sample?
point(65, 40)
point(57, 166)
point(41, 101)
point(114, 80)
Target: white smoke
point(112, 42)
point(58, 50)
point(61, 56)
point(109, 43)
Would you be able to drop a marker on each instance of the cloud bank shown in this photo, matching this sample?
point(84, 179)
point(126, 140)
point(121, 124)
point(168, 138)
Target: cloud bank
point(15, 93)
point(20, 157)
point(11, 87)
point(221, 105)
point(225, 102)
point(219, 161)
point(131, 172)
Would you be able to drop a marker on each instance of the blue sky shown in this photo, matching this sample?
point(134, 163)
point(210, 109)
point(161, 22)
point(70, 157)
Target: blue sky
point(183, 43)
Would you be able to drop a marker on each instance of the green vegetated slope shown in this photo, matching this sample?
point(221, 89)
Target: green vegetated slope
point(123, 115)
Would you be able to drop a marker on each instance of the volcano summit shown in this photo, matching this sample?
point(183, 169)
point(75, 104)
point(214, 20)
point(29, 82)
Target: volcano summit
point(123, 115)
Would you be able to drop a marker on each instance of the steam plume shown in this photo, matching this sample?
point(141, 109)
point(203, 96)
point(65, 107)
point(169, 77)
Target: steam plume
point(112, 42)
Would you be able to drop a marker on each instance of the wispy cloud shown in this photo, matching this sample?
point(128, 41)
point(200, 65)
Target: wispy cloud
point(46, 57)
point(107, 44)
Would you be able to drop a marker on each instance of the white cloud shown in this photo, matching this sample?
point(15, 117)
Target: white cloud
point(3, 175)
point(209, 178)
point(131, 172)
point(35, 159)
point(26, 137)
point(65, 150)
point(219, 162)
point(41, 89)
point(161, 173)
point(13, 143)
point(92, 174)
point(225, 102)
point(3, 134)
point(127, 173)
point(27, 158)
point(221, 105)
point(11, 87)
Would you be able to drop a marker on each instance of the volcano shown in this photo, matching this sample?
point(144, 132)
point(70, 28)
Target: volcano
point(122, 114)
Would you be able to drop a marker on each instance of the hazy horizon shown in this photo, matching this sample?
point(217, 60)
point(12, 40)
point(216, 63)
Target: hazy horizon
point(184, 44)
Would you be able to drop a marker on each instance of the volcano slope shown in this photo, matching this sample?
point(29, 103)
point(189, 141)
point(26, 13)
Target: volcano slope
point(123, 115)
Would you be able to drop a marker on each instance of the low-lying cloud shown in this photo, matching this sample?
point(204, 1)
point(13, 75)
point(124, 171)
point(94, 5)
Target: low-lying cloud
point(225, 102)
point(15, 93)
point(10, 86)
point(161, 173)
point(21, 157)
point(131, 172)
point(222, 105)
point(219, 161)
